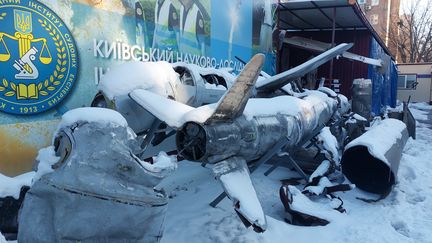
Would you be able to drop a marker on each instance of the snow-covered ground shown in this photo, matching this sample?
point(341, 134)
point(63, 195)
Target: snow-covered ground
point(404, 216)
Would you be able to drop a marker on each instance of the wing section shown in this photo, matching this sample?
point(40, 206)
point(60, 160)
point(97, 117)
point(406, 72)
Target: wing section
point(169, 111)
point(280, 80)
point(234, 176)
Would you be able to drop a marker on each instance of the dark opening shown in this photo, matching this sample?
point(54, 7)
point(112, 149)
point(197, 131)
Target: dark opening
point(191, 141)
point(365, 171)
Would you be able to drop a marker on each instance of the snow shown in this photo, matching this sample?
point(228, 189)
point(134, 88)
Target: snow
point(172, 112)
point(200, 114)
point(285, 105)
point(238, 186)
point(318, 189)
point(362, 82)
point(330, 143)
point(46, 157)
point(267, 106)
point(385, 134)
point(175, 114)
point(420, 110)
point(162, 163)
point(344, 104)
point(2, 239)
point(122, 79)
point(92, 114)
point(320, 170)
point(214, 86)
point(11, 186)
point(328, 91)
point(197, 72)
point(420, 106)
point(303, 204)
point(405, 216)
point(358, 117)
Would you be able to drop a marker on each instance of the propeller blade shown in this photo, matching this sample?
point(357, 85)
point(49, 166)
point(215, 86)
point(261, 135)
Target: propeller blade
point(232, 104)
point(234, 176)
point(281, 79)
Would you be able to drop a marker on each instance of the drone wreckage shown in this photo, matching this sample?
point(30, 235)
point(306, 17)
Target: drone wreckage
point(234, 123)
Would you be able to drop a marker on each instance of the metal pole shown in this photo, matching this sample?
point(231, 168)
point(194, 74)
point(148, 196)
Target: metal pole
point(333, 42)
point(278, 52)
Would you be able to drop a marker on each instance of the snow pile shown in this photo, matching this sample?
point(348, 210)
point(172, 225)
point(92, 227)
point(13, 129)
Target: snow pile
point(162, 163)
point(385, 135)
point(285, 105)
point(2, 239)
point(320, 170)
point(47, 159)
point(11, 186)
point(398, 108)
point(92, 114)
point(152, 76)
point(303, 204)
point(420, 110)
point(330, 143)
point(319, 189)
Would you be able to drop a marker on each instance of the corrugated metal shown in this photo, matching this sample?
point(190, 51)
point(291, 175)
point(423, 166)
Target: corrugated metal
point(344, 70)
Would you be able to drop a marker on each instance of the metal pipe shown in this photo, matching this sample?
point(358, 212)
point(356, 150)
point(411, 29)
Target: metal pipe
point(251, 137)
point(371, 161)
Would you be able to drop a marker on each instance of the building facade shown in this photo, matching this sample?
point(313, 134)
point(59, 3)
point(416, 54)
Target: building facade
point(383, 15)
point(415, 80)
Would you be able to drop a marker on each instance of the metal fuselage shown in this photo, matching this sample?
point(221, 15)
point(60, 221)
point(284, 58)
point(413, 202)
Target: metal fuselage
point(251, 136)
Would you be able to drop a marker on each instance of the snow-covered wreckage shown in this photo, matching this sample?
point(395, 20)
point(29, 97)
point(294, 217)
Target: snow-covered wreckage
point(97, 183)
point(97, 174)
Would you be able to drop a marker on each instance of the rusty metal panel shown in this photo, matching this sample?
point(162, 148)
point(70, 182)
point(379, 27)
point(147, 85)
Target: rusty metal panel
point(20, 142)
point(344, 70)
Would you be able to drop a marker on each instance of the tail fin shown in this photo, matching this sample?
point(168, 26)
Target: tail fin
point(232, 104)
point(281, 79)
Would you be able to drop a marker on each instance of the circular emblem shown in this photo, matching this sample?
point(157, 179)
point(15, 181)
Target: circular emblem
point(38, 58)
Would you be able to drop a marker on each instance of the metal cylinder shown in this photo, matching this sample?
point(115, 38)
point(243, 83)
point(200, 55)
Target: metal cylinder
point(371, 161)
point(247, 138)
point(362, 97)
point(250, 137)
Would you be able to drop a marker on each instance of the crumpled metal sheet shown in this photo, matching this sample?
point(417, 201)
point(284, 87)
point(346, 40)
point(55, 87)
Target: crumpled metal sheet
point(99, 193)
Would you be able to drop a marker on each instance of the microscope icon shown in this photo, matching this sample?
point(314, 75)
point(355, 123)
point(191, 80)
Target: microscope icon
point(25, 65)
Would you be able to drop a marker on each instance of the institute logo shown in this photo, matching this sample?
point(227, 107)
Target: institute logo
point(38, 58)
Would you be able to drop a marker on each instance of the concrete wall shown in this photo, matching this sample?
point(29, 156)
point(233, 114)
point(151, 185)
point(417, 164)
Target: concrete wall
point(423, 92)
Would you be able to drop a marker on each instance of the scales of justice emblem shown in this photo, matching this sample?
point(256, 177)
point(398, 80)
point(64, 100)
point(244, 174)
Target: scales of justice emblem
point(35, 59)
